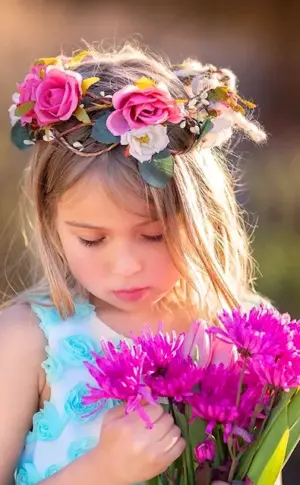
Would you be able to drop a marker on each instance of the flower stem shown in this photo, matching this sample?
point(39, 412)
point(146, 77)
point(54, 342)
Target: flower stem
point(258, 408)
point(172, 409)
point(239, 393)
point(232, 470)
point(219, 445)
point(267, 416)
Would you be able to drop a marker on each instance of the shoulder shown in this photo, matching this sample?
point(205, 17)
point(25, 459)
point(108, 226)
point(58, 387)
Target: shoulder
point(19, 327)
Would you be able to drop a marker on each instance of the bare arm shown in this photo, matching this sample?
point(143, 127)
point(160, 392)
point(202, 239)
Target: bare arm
point(21, 353)
point(22, 349)
point(82, 471)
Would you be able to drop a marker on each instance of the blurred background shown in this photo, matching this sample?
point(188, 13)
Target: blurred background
point(259, 40)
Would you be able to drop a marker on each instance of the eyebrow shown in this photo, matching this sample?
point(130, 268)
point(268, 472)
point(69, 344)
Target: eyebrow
point(86, 225)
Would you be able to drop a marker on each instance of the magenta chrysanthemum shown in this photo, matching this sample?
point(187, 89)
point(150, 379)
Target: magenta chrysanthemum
point(119, 375)
point(216, 400)
point(280, 366)
point(284, 373)
point(177, 380)
point(159, 348)
point(260, 331)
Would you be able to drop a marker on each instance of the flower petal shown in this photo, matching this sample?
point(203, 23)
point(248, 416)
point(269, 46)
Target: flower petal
point(117, 124)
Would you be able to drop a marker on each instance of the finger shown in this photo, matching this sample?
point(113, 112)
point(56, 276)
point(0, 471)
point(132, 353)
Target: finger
point(115, 413)
point(162, 427)
point(153, 411)
point(175, 451)
point(170, 440)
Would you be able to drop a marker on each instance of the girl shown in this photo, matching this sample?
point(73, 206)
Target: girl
point(135, 222)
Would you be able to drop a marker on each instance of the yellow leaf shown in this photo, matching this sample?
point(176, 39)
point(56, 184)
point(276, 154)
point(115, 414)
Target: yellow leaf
point(78, 58)
point(102, 106)
point(269, 456)
point(180, 101)
point(275, 464)
point(87, 83)
point(145, 83)
point(247, 103)
point(82, 115)
point(48, 61)
point(42, 73)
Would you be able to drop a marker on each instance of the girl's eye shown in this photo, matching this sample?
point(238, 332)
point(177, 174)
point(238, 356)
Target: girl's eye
point(157, 238)
point(90, 244)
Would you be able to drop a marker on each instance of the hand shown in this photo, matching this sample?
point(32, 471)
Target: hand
point(130, 452)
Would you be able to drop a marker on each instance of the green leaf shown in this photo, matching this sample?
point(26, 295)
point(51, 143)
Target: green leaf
point(283, 402)
point(101, 133)
point(158, 171)
point(82, 115)
point(24, 108)
point(269, 459)
point(187, 456)
point(206, 127)
point(87, 83)
point(218, 94)
point(248, 456)
point(163, 154)
point(20, 136)
point(197, 432)
point(294, 425)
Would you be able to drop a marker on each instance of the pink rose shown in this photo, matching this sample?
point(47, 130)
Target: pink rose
point(211, 349)
point(57, 96)
point(27, 90)
point(137, 108)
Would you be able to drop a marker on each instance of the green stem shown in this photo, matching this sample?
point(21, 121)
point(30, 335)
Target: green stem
point(233, 467)
point(172, 409)
point(258, 408)
point(231, 449)
point(219, 445)
point(267, 416)
point(185, 469)
point(238, 397)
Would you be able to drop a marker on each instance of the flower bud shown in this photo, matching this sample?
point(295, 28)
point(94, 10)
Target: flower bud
point(205, 451)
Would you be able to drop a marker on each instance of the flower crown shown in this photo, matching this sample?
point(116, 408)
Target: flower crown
point(136, 116)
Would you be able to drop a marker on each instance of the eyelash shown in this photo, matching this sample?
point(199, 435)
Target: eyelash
point(90, 244)
point(150, 239)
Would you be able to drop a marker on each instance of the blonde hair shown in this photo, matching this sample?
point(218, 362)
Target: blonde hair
point(203, 226)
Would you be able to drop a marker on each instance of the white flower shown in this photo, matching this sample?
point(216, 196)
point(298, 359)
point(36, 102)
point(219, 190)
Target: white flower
point(48, 136)
point(195, 129)
point(200, 84)
point(201, 115)
point(219, 134)
point(12, 109)
point(78, 145)
point(144, 142)
point(29, 142)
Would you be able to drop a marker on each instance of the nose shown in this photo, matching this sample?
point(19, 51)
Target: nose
point(126, 262)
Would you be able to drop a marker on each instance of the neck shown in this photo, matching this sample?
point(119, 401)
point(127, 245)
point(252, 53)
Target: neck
point(172, 317)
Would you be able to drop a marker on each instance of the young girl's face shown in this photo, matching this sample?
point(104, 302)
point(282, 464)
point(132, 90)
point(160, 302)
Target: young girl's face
point(118, 256)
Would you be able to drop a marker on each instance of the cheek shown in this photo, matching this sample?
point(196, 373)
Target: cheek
point(161, 267)
point(82, 261)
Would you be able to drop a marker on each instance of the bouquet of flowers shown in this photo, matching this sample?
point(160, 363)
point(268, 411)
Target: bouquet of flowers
point(232, 390)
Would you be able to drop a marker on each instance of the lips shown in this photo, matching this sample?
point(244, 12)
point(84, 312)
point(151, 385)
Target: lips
point(131, 294)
